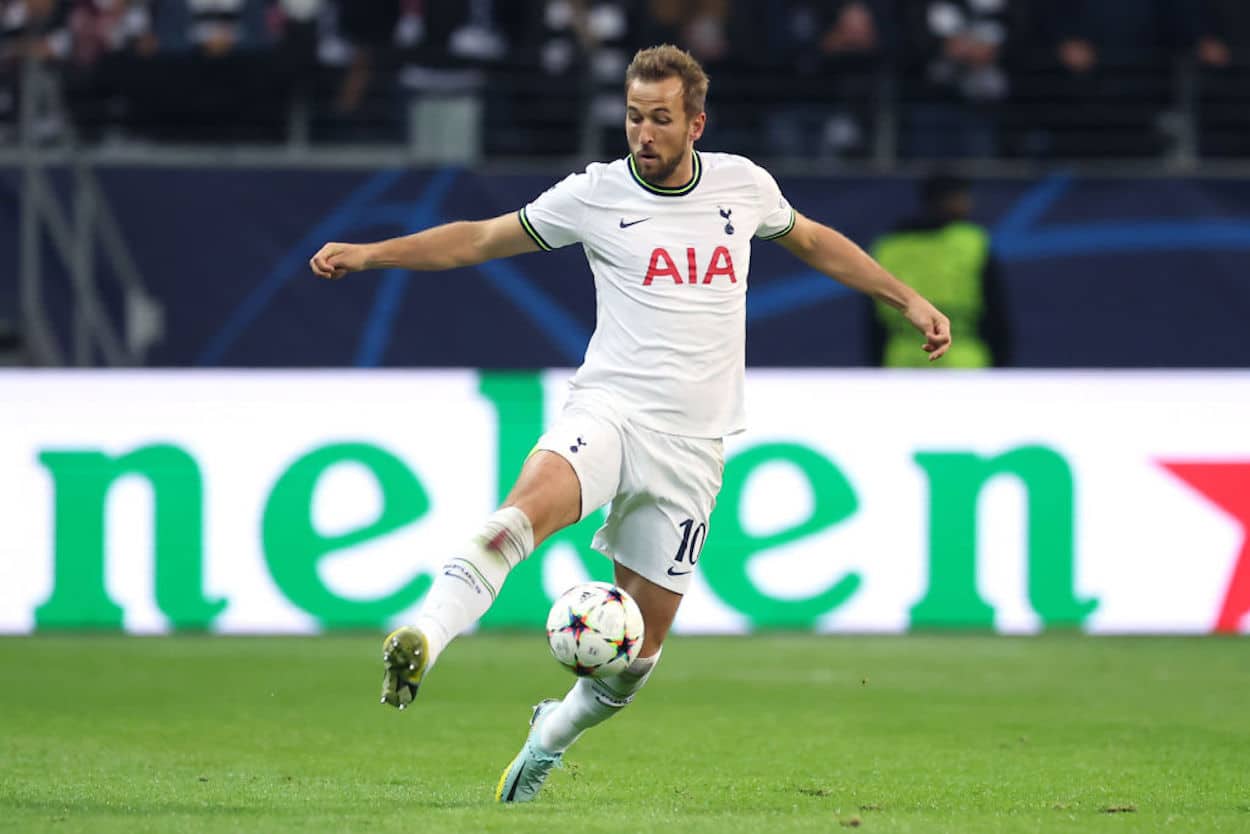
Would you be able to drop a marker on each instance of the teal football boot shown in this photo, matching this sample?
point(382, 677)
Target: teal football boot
point(524, 777)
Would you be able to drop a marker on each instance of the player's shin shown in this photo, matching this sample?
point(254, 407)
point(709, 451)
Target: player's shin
point(468, 583)
point(592, 701)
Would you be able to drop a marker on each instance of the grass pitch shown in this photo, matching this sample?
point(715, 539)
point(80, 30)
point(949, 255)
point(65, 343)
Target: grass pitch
point(764, 734)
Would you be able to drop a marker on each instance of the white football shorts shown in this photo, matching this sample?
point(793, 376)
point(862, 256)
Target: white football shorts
point(662, 488)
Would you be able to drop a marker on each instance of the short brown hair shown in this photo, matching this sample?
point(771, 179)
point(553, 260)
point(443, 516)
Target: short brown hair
point(668, 61)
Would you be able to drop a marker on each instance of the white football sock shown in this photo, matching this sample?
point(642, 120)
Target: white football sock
point(469, 583)
point(592, 701)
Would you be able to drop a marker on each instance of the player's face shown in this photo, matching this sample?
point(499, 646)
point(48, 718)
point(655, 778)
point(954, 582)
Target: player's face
point(660, 132)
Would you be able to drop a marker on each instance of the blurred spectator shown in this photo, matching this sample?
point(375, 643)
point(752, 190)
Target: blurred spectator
point(699, 26)
point(294, 25)
point(295, 29)
point(102, 27)
point(822, 57)
point(1223, 54)
point(34, 28)
point(1224, 33)
point(1122, 33)
point(28, 29)
point(954, 80)
point(724, 35)
point(583, 48)
point(216, 25)
point(209, 80)
point(947, 258)
point(591, 35)
point(113, 42)
point(496, 46)
point(478, 33)
point(792, 78)
point(853, 29)
point(370, 29)
point(1095, 78)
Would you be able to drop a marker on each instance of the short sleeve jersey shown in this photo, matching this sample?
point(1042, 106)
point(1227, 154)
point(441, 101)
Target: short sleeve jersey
point(670, 269)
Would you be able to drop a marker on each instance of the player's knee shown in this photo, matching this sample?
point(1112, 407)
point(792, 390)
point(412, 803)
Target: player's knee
point(549, 492)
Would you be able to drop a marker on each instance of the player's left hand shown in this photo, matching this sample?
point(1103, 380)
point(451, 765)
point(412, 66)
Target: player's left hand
point(936, 327)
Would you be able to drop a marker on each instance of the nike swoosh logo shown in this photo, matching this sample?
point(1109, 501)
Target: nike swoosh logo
point(625, 225)
point(517, 783)
point(672, 572)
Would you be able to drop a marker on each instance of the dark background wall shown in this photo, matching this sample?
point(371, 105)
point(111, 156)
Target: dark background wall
point(1099, 272)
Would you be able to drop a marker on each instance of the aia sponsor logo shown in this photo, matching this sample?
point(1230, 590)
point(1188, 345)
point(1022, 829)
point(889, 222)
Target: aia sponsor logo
point(664, 265)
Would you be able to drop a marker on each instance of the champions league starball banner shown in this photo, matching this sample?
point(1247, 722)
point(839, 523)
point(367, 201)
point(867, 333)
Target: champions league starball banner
point(295, 502)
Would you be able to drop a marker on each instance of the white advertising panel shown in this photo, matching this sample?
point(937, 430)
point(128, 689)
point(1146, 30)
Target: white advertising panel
point(259, 501)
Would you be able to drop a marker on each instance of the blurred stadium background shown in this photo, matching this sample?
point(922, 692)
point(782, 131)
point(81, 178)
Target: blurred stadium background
point(1107, 141)
point(196, 435)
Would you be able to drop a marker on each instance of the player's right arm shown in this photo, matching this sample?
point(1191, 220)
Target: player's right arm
point(452, 245)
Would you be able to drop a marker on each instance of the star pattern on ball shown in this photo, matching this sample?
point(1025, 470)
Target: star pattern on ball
point(614, 594)
point(576, 624)
point(624, 646)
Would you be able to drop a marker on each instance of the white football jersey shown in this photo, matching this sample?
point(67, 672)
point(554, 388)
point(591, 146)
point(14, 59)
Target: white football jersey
point(670, 267)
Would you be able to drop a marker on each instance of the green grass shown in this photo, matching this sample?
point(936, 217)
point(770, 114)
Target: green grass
point(771, 734)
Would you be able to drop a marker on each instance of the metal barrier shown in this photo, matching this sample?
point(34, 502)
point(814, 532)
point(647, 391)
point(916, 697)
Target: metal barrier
point(75, 231)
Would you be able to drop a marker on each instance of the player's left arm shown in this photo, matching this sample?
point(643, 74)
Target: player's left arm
point(830, 252)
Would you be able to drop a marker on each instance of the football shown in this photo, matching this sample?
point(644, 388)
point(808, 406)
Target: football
point(595, 630)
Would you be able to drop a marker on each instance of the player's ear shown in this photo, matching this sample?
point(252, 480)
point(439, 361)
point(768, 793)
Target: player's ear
point(696, 126)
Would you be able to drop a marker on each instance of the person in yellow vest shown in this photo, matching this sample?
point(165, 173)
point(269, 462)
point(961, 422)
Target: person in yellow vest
point(947, 258)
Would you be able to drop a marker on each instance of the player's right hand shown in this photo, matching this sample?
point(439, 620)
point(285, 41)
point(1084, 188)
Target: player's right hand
point(334, 260)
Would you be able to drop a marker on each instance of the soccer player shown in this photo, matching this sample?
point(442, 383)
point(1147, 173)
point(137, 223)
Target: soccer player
point(667, 231)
